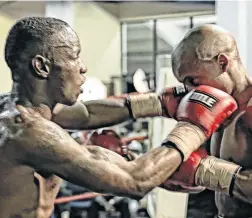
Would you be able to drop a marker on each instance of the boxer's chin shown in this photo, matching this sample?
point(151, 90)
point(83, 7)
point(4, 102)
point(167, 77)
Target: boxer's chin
point(224, 83)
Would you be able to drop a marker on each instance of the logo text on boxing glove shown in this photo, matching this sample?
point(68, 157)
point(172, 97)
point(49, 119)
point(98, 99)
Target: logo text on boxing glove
point(203, 98)
point(179, 91)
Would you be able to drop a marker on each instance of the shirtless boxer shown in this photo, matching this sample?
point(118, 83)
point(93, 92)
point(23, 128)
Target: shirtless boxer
point(208, 55)
point(42, 54)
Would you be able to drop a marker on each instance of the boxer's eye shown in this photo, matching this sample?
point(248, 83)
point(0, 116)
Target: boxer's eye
point(190, 81)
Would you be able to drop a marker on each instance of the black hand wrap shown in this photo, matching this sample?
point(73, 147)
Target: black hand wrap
point(127, 103)
point(170, 144)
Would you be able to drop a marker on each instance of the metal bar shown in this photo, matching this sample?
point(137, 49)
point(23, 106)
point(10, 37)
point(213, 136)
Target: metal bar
point(121, 38)
point(155, 51)
point(124, 69)
point(191, 22)
point(136, 54)
point(163, 16)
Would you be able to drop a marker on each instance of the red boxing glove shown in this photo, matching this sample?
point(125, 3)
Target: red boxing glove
point(183, 180)
point(107, 139)
point(170, 99)
point(152, 104)
point(110, 140)
point(199, 114)
point(206, 107)
point(201, 170)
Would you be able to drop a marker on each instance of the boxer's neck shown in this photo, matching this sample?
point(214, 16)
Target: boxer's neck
point(33, 97)
point(240, 79)
point(242, 85)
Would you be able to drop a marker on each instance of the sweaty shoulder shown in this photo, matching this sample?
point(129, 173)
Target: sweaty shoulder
point(37, 129)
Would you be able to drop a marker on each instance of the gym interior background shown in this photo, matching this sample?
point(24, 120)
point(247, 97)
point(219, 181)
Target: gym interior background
point(127, 47)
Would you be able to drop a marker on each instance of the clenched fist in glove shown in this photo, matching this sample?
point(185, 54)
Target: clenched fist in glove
point(200, 171)
point(152, 104)
point(199, 114)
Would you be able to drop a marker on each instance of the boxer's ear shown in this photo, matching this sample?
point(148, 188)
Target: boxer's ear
point(41, 66)
point(223, 61)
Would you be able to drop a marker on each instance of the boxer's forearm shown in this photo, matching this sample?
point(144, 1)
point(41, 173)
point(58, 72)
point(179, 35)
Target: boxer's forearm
point(99, 169)
point(146, 172)
point(91, 114)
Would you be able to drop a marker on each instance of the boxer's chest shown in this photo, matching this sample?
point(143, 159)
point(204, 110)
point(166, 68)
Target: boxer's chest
point(236, 142)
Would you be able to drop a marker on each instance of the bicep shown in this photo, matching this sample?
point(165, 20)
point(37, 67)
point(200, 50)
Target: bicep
point(90, 114)
point(72, 117)
point(52, 150)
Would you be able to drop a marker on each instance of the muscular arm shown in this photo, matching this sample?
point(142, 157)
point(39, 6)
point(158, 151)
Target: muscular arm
point(48, 148)
point(243, 181)
point(91, 114)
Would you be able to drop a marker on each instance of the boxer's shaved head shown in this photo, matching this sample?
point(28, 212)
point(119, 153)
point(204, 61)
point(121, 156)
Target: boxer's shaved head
point(203, 44)
point(205, 50)
point(43, 52)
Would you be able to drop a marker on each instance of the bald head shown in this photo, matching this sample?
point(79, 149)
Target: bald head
point(203, 44)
